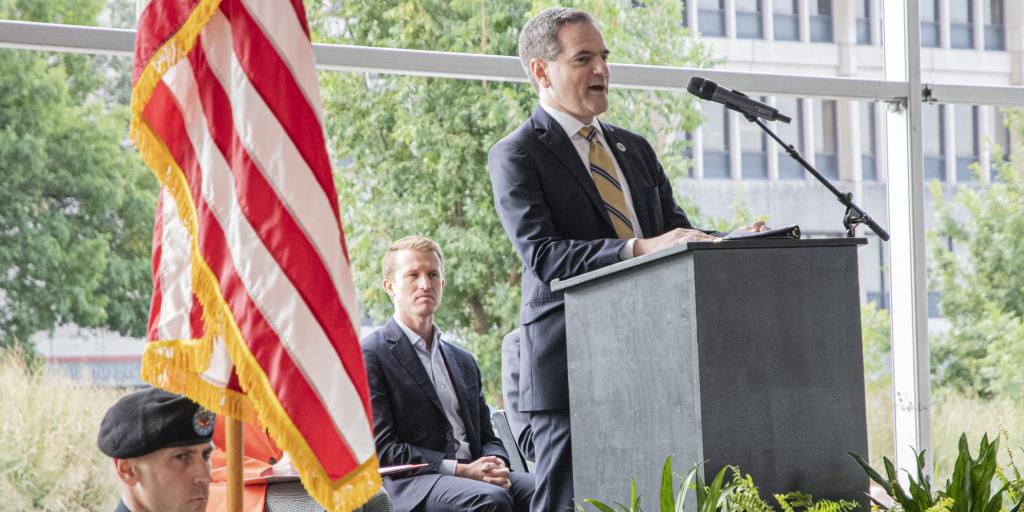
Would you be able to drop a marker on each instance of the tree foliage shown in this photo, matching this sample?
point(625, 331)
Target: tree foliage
point(412, 151)
point(76, 207)
point(981, 281)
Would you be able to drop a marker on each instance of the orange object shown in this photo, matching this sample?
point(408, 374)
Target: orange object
point(260, 453)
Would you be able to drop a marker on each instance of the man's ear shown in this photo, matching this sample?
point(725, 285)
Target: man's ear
point(539, 71)
point(389, 287)
point(126, 471)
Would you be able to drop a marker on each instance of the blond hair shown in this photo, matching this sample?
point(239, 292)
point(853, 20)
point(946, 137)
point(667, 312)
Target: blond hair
point(411, 243)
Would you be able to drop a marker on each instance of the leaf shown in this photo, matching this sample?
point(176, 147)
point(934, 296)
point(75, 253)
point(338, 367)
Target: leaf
point(599, 505)
point(872, 474)
point(667, 490)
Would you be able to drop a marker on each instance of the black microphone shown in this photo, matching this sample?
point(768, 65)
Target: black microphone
point(735, 100)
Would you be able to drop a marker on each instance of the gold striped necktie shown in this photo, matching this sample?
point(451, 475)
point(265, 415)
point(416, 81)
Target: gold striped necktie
point(607, 180)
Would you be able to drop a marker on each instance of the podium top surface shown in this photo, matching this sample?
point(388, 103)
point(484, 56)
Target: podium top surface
point(762, 243)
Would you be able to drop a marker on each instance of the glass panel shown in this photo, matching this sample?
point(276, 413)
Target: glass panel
point(966, 123)
point(931, 136)
point(753, 142)
point(960, 26)
point(790, 133)
point(994, 39)
point(712, 23)
point(929, 23)
point(1000, 133)
point(960, 11)
point(820, 7)
point(863, 22)
point(825, 138)
point(748, 25)
point(868, 164)
point(716, 140)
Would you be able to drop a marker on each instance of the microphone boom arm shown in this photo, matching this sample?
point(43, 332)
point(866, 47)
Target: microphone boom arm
point(854, 216)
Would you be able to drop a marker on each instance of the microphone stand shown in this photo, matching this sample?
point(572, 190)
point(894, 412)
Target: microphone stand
point(855, 216)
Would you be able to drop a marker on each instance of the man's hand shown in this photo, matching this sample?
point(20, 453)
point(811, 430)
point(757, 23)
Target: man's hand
point(488, 469)
point(672, 238)
point(756, 227)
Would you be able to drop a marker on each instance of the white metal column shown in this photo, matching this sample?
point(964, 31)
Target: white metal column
point(909, 306)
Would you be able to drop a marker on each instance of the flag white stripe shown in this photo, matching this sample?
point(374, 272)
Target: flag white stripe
point(268, 287)
point(284, 31)
point(175, 274)
point(280, 162)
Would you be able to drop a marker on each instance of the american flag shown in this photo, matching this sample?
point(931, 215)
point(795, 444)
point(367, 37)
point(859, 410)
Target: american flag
point(254, 311)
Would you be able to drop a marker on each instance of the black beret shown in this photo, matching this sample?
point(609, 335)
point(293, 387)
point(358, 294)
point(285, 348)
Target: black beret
point(148, 420)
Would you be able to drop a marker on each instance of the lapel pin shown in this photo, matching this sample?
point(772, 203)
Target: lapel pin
point(621, 146)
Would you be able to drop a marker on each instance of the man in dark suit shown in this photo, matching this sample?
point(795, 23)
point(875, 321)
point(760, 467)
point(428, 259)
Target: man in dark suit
point(518, 421)
point(428, 404)
point(574, 194)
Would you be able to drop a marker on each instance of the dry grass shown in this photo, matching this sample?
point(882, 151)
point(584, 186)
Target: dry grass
point(48, 455)
point(952, 414)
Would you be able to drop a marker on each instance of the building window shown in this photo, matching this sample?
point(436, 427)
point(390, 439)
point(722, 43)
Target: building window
point(826, 158)
point(748, 19)
point(821, 20)
point(966, 117)
point(868, 158)
point(786, 17)
point(961, 34)
point(711, 17)
point(930, 23)
point(931, 136)
point(789, 169)
point(754, 150)
point(863, 21)
point(716, 141)
point(994, 22)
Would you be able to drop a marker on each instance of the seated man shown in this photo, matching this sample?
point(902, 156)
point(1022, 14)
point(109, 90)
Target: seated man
point(428, 404)
point(518, 421)
point(160, 443)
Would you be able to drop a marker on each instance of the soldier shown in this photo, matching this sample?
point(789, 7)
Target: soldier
point(160, 445)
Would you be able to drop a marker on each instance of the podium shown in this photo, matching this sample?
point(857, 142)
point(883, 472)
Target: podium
point(744, 353)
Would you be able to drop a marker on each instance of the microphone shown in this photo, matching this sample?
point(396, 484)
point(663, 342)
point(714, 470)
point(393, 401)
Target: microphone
point(735, 100)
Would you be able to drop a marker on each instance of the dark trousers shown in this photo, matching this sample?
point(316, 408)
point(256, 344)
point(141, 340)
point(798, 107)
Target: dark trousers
point(455, 494)
point(554, 461)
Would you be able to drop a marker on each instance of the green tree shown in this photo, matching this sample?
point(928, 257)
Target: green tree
point(413, 150)
point(982, 282)
point(76, 207)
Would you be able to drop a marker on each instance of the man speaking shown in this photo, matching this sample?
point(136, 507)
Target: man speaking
point(574, 194)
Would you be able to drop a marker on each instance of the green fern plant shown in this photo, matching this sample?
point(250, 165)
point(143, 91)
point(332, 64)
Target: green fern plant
point(968, 490)
point(712, 497)
point(802, 502)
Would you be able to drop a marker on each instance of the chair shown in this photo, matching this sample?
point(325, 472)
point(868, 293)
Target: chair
point(292, 497)
point(516, 459)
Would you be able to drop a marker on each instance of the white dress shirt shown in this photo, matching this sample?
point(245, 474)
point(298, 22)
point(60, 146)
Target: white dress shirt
point(433, 363)
point(572, 127)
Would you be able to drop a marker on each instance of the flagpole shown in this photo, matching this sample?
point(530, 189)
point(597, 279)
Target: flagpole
point(235, 448)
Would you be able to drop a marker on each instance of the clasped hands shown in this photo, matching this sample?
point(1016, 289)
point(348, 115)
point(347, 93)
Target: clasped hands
point(488, 469)
point(682, 235)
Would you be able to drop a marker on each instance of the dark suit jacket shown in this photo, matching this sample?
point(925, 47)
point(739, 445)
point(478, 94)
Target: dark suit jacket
point(409, 423)
point(553, 214)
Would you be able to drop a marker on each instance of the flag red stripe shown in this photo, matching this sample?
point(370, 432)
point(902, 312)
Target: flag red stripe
point(160, 20)
point(300, 12)
point(278, 231)
point(300, 402)
point(274, 81)
point(158, 294)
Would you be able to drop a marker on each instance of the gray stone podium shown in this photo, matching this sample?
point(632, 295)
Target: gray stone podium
point(743, 353)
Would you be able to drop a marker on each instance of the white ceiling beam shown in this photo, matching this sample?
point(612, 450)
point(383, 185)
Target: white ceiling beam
point(467, 66)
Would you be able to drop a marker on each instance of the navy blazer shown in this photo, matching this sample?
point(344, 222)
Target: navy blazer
point(554, 216)
point(409, 423)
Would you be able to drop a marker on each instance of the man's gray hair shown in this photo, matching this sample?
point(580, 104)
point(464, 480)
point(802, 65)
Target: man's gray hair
point(539, 38)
